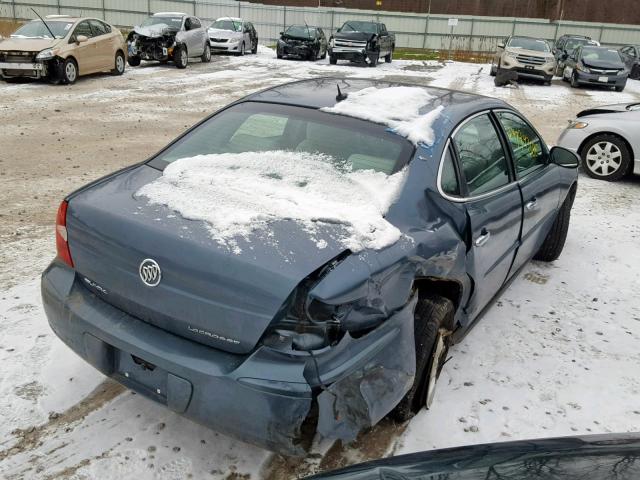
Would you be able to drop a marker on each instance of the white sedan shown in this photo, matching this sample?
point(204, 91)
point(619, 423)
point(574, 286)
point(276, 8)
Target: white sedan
point(607, 139)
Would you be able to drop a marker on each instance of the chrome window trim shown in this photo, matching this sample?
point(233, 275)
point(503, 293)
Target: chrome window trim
point(444, 153)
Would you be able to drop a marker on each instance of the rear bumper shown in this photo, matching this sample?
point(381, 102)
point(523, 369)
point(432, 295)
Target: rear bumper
point(261, 398)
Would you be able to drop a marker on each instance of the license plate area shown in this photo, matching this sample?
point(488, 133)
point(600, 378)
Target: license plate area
point(528, 67)
point(603, 79)
point(143, 375)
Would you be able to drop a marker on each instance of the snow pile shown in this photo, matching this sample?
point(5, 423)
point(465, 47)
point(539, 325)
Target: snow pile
point(397, 107)
point(239, 193)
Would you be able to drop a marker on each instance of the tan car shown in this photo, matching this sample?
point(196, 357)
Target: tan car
point(530, 57)
point(61, 48)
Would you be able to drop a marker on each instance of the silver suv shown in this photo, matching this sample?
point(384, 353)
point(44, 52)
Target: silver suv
point(530, 57)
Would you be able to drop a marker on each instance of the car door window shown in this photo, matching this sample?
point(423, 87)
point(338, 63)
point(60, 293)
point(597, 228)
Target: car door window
point(195, 23)
point(98, 28)
point(529, 151)
point(83, 28)
point(482, 158)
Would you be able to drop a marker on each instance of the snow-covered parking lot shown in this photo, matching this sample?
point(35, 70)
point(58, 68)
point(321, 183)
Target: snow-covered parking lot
point(556, 355)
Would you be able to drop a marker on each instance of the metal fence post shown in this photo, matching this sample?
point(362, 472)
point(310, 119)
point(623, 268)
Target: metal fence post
point(513, 29)
point(426, 32)
point(332, 13)
point(284, 18)
point(471, 34)
point(601, 31)
point(555, 35)
point(149, 7)
point(13, 9)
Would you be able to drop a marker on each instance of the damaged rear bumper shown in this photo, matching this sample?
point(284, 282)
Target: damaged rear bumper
point(261, 398)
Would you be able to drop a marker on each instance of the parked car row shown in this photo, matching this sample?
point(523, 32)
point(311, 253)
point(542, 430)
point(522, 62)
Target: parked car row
point(576, 59)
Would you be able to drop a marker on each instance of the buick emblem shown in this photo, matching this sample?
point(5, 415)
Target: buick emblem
point(150, 272)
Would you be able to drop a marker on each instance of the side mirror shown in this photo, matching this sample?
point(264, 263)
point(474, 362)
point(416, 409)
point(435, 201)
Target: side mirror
point(81, 39)
point(281, 33)
point(501, 45)
point(564, 157)
point(339, 30)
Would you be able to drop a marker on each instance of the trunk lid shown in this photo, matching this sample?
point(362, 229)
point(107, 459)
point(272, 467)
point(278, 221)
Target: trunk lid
point(206, 292)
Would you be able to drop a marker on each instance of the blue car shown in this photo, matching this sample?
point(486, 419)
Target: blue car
point(301, 260)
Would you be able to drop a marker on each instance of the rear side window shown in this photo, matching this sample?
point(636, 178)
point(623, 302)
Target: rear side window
point(195, 23)
point(529, 152)
point(482, 158)
point(448, 176)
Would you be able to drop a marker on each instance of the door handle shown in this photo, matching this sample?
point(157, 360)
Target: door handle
point(483, 238)
point(532, 204)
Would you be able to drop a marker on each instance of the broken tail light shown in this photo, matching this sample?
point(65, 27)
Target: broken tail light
point(62, 244)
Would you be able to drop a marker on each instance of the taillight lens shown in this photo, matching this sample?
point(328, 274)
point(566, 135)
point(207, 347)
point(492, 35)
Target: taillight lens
point(62, 245)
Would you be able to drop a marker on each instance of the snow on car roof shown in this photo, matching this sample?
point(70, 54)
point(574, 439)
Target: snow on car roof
point(235, 19)
point(402, 108)
point(170, 14)
point(250, 190)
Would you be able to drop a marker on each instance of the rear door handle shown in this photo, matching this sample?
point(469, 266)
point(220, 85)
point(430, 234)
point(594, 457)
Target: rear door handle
point(531, 204)
point(483, 238)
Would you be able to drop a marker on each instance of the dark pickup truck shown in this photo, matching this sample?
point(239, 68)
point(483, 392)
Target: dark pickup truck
point(362, 42)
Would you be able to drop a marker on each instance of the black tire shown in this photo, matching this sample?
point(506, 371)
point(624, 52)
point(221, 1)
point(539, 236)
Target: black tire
point(620, 88)
point(574, 81)
point(254, 50)
point(181, 56)
point(133, 61)
point(432, 314)
point(119, 64)
point(389, 58)
point(69, 71)
point(547, 80)
point(594, 166)
point(492, 70)
point(333, 60)
point(206, 54)
point(554, 243)
point(324, 54)
point(373, 61)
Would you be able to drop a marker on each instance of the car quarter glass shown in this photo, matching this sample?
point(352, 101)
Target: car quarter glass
point(529, 151)
point(481, 155)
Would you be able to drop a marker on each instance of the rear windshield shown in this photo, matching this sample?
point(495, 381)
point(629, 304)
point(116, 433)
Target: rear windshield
point(175, 22)
point(603, 54)
point(367, 27)
point(529, 44)
point(259, 127)
point(301, 31)
point(37, 29)
point(227, 25)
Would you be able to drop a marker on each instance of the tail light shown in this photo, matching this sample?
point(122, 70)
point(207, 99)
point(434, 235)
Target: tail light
point(62, 245)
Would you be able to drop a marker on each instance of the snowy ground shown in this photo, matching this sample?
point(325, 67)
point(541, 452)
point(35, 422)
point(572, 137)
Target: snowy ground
point(557, 355)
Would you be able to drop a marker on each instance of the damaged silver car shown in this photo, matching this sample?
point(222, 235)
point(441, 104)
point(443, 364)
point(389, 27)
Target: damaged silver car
point(169, 36)
point(293, 326)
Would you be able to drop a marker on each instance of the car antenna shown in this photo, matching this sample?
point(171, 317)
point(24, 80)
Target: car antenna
point(341, 96)
point(45, 23)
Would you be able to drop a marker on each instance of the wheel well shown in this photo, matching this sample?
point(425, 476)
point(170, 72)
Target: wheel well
point(593, 135)
point(450, 289)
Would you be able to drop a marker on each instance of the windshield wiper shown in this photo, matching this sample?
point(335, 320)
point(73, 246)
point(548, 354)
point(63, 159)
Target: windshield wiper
point(45, 23)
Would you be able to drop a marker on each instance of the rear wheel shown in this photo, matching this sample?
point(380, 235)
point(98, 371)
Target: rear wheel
point(181, 56)
point(206, 54)
point(69, 71)
point(324, 54)
point(433, 322)
point(389, 58)
point(134, 61)
point(333, 59)
point(606, 157)
point(554, 243)
point(119, 64)
point(254, 50)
